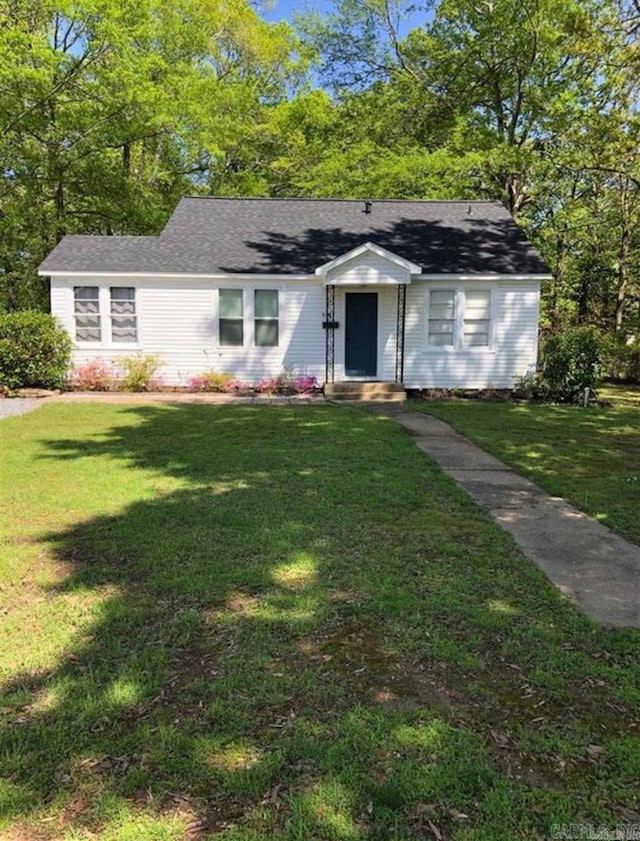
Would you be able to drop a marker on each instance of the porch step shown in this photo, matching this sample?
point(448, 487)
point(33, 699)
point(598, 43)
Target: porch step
point(359, 391)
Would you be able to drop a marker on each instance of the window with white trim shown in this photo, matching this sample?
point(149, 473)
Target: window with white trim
point(231, 317)
point(476, 328)
point(460, 318)
point(442, 317)
point(86, 313)
point(266, 317)
point(124, 320)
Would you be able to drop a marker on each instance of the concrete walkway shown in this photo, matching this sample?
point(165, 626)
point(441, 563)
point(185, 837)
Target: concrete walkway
point(586, 561)
point(17, 406)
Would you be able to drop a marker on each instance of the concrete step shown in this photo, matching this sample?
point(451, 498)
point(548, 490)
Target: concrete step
point(365, 391)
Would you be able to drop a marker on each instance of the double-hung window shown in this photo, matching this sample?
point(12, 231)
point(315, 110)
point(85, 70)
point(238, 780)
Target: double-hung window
point(459, 318)
point(442, 317)
point(266, 317)
point(261, 305)
point(477, 318)
point(86, 312)
point(124, 321)
point(231, 317)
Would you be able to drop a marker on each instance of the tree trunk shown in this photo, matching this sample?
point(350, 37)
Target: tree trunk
point(623, 256)
point(557, 280)
point(11, 288)
point(126, 158)
point(623, 281)
point(59, 202)
point(583, 297)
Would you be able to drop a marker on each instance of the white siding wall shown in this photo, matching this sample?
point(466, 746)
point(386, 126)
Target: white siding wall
point(301, 340)
point(512, 353)
point(178, 320)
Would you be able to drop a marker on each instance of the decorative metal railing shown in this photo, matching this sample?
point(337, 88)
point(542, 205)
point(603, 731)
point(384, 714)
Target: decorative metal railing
point(330, 333)
point(401, 314)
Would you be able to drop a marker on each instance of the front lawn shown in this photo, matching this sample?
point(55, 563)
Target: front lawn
point(591, 457)
point(251, 623)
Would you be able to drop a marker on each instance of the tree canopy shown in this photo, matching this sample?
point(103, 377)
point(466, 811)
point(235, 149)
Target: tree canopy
point(109, 111)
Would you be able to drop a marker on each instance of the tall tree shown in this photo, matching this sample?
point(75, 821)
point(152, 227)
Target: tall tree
point(531, 101)
point(109, 110)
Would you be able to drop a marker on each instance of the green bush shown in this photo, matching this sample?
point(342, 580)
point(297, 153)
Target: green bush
point(570, 363)
point(35, 350)
point(530, 386)
point(139, 372)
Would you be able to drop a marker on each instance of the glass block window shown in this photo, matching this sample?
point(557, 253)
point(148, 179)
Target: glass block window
point(442, 314)
point(86, 310)
point(124, 321)
point(477, 318)
point(266, 317)
point(230, 317)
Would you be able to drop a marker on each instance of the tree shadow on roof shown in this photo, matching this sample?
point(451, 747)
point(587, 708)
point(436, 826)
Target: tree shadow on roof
point(438, 247)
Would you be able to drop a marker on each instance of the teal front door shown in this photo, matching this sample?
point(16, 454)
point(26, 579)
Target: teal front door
point(361, 334)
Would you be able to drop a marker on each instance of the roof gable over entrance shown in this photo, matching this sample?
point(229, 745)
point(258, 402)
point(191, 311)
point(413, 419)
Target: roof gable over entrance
point(368, 264)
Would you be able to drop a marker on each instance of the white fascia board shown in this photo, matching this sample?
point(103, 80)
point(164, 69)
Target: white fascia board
point(180, 275)
point(488, 276)
point(412, 268)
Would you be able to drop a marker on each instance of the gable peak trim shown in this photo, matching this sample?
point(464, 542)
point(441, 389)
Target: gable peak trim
point(372, 248)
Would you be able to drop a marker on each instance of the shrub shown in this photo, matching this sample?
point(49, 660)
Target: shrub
point(209, 381)
point(266, 386)
point(529, 387)
point(304, 385)
point(285, 381)
point(138, 371)
point(571, 363)
point(35, 350)
point(237, 387)
point(94, 375)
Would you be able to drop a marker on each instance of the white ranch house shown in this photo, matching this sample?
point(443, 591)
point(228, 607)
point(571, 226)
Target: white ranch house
point(430, 294)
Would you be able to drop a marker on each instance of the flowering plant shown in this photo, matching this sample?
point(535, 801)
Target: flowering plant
point(303, 385)
point(209, 381)
point(266, 386)
point(93, 375)
point(237, 387)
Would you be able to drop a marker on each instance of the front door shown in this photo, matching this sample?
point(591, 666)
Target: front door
point(361, 334)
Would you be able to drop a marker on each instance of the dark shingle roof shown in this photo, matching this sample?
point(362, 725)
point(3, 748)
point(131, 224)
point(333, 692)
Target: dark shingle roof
point(291, 236)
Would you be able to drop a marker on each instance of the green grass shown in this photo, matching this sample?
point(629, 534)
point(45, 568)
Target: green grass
point(591, 457)
point(285, 623)
point(620, 395)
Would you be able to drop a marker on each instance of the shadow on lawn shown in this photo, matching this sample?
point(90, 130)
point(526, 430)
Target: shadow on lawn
point(263, 644)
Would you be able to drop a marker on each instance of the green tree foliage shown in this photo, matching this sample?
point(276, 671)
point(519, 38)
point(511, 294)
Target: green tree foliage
point(534, 102)
point(109, 111)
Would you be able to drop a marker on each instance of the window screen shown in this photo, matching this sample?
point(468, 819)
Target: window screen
point(124, 321)
point(230, 317)
point(441, 317)
point(477, 318)
point(266, 317)
point(86, 309)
